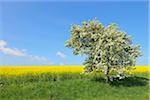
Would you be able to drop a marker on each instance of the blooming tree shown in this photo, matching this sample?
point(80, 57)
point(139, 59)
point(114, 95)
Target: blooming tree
point(108, 49)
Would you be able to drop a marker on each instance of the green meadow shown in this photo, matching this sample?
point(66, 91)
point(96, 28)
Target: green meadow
point(73, 86)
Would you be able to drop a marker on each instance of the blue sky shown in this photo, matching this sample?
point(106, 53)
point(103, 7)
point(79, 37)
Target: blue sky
point(34, 33)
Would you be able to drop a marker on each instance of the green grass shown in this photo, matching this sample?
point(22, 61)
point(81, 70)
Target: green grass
point(73, 87)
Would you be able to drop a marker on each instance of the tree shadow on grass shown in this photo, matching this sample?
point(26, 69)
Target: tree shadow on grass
point(131, 81)
point(127, 82)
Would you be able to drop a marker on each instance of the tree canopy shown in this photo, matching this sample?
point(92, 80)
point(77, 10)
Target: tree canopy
point(108, 49)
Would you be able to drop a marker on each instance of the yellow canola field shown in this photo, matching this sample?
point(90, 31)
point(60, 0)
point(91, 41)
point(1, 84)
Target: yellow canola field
point(141, 69)
point(21, 70)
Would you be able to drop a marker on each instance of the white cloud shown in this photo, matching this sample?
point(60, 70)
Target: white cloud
point(61, 54)
point(10, 51)
point(2, 43)
point(61, 63)
point(40, 59)
point(22, 53)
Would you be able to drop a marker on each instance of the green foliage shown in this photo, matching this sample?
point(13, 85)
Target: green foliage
point(72, 87)
point(108, 49)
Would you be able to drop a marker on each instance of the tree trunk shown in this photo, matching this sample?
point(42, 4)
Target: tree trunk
point(107, 75)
